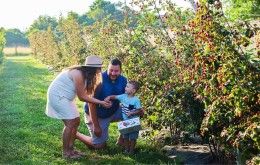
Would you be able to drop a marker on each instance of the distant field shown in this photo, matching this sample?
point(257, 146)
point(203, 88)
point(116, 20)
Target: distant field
point(20, 50)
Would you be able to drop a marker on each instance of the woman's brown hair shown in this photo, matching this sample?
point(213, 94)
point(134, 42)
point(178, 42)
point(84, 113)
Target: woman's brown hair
point(90, 76)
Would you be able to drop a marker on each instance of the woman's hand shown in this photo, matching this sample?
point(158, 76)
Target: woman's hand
point(107, 99)
point(106, 104)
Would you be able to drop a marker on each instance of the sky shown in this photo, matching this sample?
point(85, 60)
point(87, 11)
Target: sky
point(21, 13)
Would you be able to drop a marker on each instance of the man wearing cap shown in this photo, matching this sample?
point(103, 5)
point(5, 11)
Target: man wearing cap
point(98, 117)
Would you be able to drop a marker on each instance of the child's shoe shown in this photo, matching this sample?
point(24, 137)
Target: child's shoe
point(126, 152)
point(131, 152)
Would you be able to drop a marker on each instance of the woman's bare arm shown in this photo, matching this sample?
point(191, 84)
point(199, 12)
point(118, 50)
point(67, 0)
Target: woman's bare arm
point(81, 91)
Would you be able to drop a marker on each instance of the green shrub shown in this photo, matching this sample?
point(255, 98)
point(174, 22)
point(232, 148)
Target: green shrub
point(2, 44)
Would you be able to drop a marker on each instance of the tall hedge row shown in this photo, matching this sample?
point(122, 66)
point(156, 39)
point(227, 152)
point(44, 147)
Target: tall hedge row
point(2, 43)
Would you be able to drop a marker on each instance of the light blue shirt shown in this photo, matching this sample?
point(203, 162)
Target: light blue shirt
point(128, 101)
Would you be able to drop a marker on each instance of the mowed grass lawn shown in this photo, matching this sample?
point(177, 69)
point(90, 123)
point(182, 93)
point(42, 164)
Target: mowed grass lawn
point(28, 136)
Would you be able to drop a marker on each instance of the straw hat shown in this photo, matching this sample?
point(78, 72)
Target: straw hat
point(93, 61)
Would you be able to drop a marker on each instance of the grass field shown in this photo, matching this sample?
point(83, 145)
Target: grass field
point(28, 136)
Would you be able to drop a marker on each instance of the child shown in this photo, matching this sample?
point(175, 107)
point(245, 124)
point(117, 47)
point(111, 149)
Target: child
point(131, 107)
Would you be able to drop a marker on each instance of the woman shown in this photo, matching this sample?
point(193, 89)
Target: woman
point(80, 81)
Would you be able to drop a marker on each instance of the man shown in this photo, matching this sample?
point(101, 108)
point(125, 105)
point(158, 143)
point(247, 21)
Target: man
point(98, 118)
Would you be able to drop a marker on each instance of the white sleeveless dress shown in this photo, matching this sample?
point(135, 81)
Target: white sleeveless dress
point(60, 98)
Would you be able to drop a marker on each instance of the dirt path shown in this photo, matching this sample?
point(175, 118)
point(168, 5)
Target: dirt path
point(189, 154)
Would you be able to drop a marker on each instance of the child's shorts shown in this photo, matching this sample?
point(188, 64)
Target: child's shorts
point(131, 136)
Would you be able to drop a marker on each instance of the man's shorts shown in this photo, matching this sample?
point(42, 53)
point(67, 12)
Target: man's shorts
point(104, 125)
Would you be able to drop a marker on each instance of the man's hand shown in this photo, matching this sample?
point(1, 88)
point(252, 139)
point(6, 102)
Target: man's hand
point(97, 131)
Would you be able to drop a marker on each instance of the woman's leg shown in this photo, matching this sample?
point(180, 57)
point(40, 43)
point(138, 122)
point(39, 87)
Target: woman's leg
point(69, 134)
point(73, 132)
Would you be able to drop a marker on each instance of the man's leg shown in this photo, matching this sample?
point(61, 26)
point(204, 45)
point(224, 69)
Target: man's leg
point(87, 140)
point(93, 141)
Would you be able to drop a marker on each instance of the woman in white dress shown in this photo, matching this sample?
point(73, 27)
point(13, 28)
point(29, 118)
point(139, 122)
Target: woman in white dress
point(78, 81)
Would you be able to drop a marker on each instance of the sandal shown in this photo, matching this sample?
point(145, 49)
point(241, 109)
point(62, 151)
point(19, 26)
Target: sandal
point(72, 156)
point(78, 153)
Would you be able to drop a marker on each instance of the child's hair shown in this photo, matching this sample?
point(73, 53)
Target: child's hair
point(135, 84)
